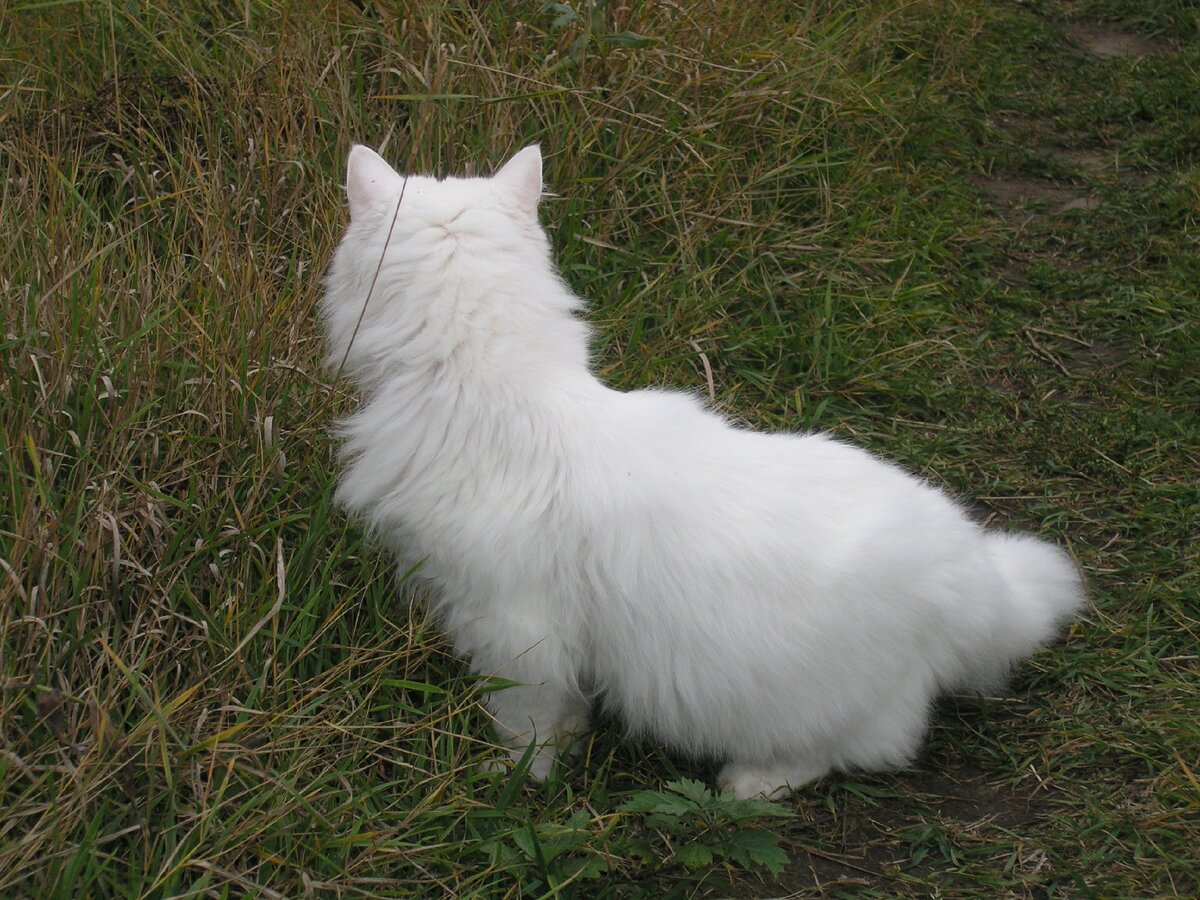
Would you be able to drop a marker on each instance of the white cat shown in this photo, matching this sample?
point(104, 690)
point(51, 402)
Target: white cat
point(786, 604)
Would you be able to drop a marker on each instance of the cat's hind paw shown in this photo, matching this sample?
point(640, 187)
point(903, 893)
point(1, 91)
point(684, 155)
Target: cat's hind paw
point(772, 782)
point(746, 783)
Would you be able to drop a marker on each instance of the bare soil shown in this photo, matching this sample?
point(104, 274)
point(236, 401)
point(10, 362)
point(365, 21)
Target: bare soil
point(1108, 43)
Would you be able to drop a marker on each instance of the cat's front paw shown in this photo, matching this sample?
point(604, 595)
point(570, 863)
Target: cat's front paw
point(540, 766)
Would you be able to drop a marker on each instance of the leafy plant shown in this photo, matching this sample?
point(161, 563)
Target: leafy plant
point(695, 827)
point(556, 854)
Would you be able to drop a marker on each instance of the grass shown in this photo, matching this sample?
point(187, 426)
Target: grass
point(824, 215)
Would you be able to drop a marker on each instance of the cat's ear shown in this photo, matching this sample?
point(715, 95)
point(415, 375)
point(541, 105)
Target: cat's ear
point(521, 176)
point(369, 180)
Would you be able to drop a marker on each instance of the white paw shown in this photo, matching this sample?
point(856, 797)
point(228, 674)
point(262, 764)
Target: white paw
point(539, 767)
point(495, 764)
point(747, 783)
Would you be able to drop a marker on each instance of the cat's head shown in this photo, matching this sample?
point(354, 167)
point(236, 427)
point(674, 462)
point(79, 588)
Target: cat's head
point(431, 264)
point(373, 189)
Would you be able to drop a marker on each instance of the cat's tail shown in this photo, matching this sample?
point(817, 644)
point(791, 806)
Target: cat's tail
point(1045, 593)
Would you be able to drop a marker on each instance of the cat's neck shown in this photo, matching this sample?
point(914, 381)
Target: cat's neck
point(513, 329)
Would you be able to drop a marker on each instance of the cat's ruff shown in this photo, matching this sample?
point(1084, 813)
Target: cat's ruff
point(786, 604)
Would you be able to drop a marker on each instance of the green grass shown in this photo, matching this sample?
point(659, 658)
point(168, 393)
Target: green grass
point(210, 683)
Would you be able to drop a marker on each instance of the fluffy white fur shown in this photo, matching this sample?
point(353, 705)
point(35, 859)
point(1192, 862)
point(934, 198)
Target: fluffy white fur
point(786, 604)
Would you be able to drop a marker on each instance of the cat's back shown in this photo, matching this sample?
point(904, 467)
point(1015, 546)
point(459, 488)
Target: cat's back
point(657, 469)
point(671, 441)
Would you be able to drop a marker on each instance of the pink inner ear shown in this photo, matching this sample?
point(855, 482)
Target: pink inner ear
point(369, 180)
point(521, 176)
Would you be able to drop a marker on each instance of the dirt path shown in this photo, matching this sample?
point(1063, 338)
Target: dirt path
point(1022, 198)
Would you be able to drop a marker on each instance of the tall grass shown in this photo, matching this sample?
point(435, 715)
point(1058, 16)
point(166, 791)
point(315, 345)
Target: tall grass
point(211, 684)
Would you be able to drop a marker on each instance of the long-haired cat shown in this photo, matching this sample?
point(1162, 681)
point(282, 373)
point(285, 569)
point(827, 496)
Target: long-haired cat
point(786, 604)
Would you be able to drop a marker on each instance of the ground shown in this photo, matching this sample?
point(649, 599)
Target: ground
point(963, 235)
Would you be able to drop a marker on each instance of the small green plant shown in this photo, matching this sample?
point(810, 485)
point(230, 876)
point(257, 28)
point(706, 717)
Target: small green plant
point(691, 825)
point(590, 19)
point(551, 855)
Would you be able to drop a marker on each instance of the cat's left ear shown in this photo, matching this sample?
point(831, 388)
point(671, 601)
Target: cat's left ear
point(369, 180)
point(521, 176)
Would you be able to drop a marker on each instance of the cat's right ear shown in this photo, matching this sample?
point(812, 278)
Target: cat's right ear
point(521, 176)
point(370, 181)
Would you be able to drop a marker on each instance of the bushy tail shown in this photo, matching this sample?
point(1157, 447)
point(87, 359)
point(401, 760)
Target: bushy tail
point(1047, 590)
point(1045, 593)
